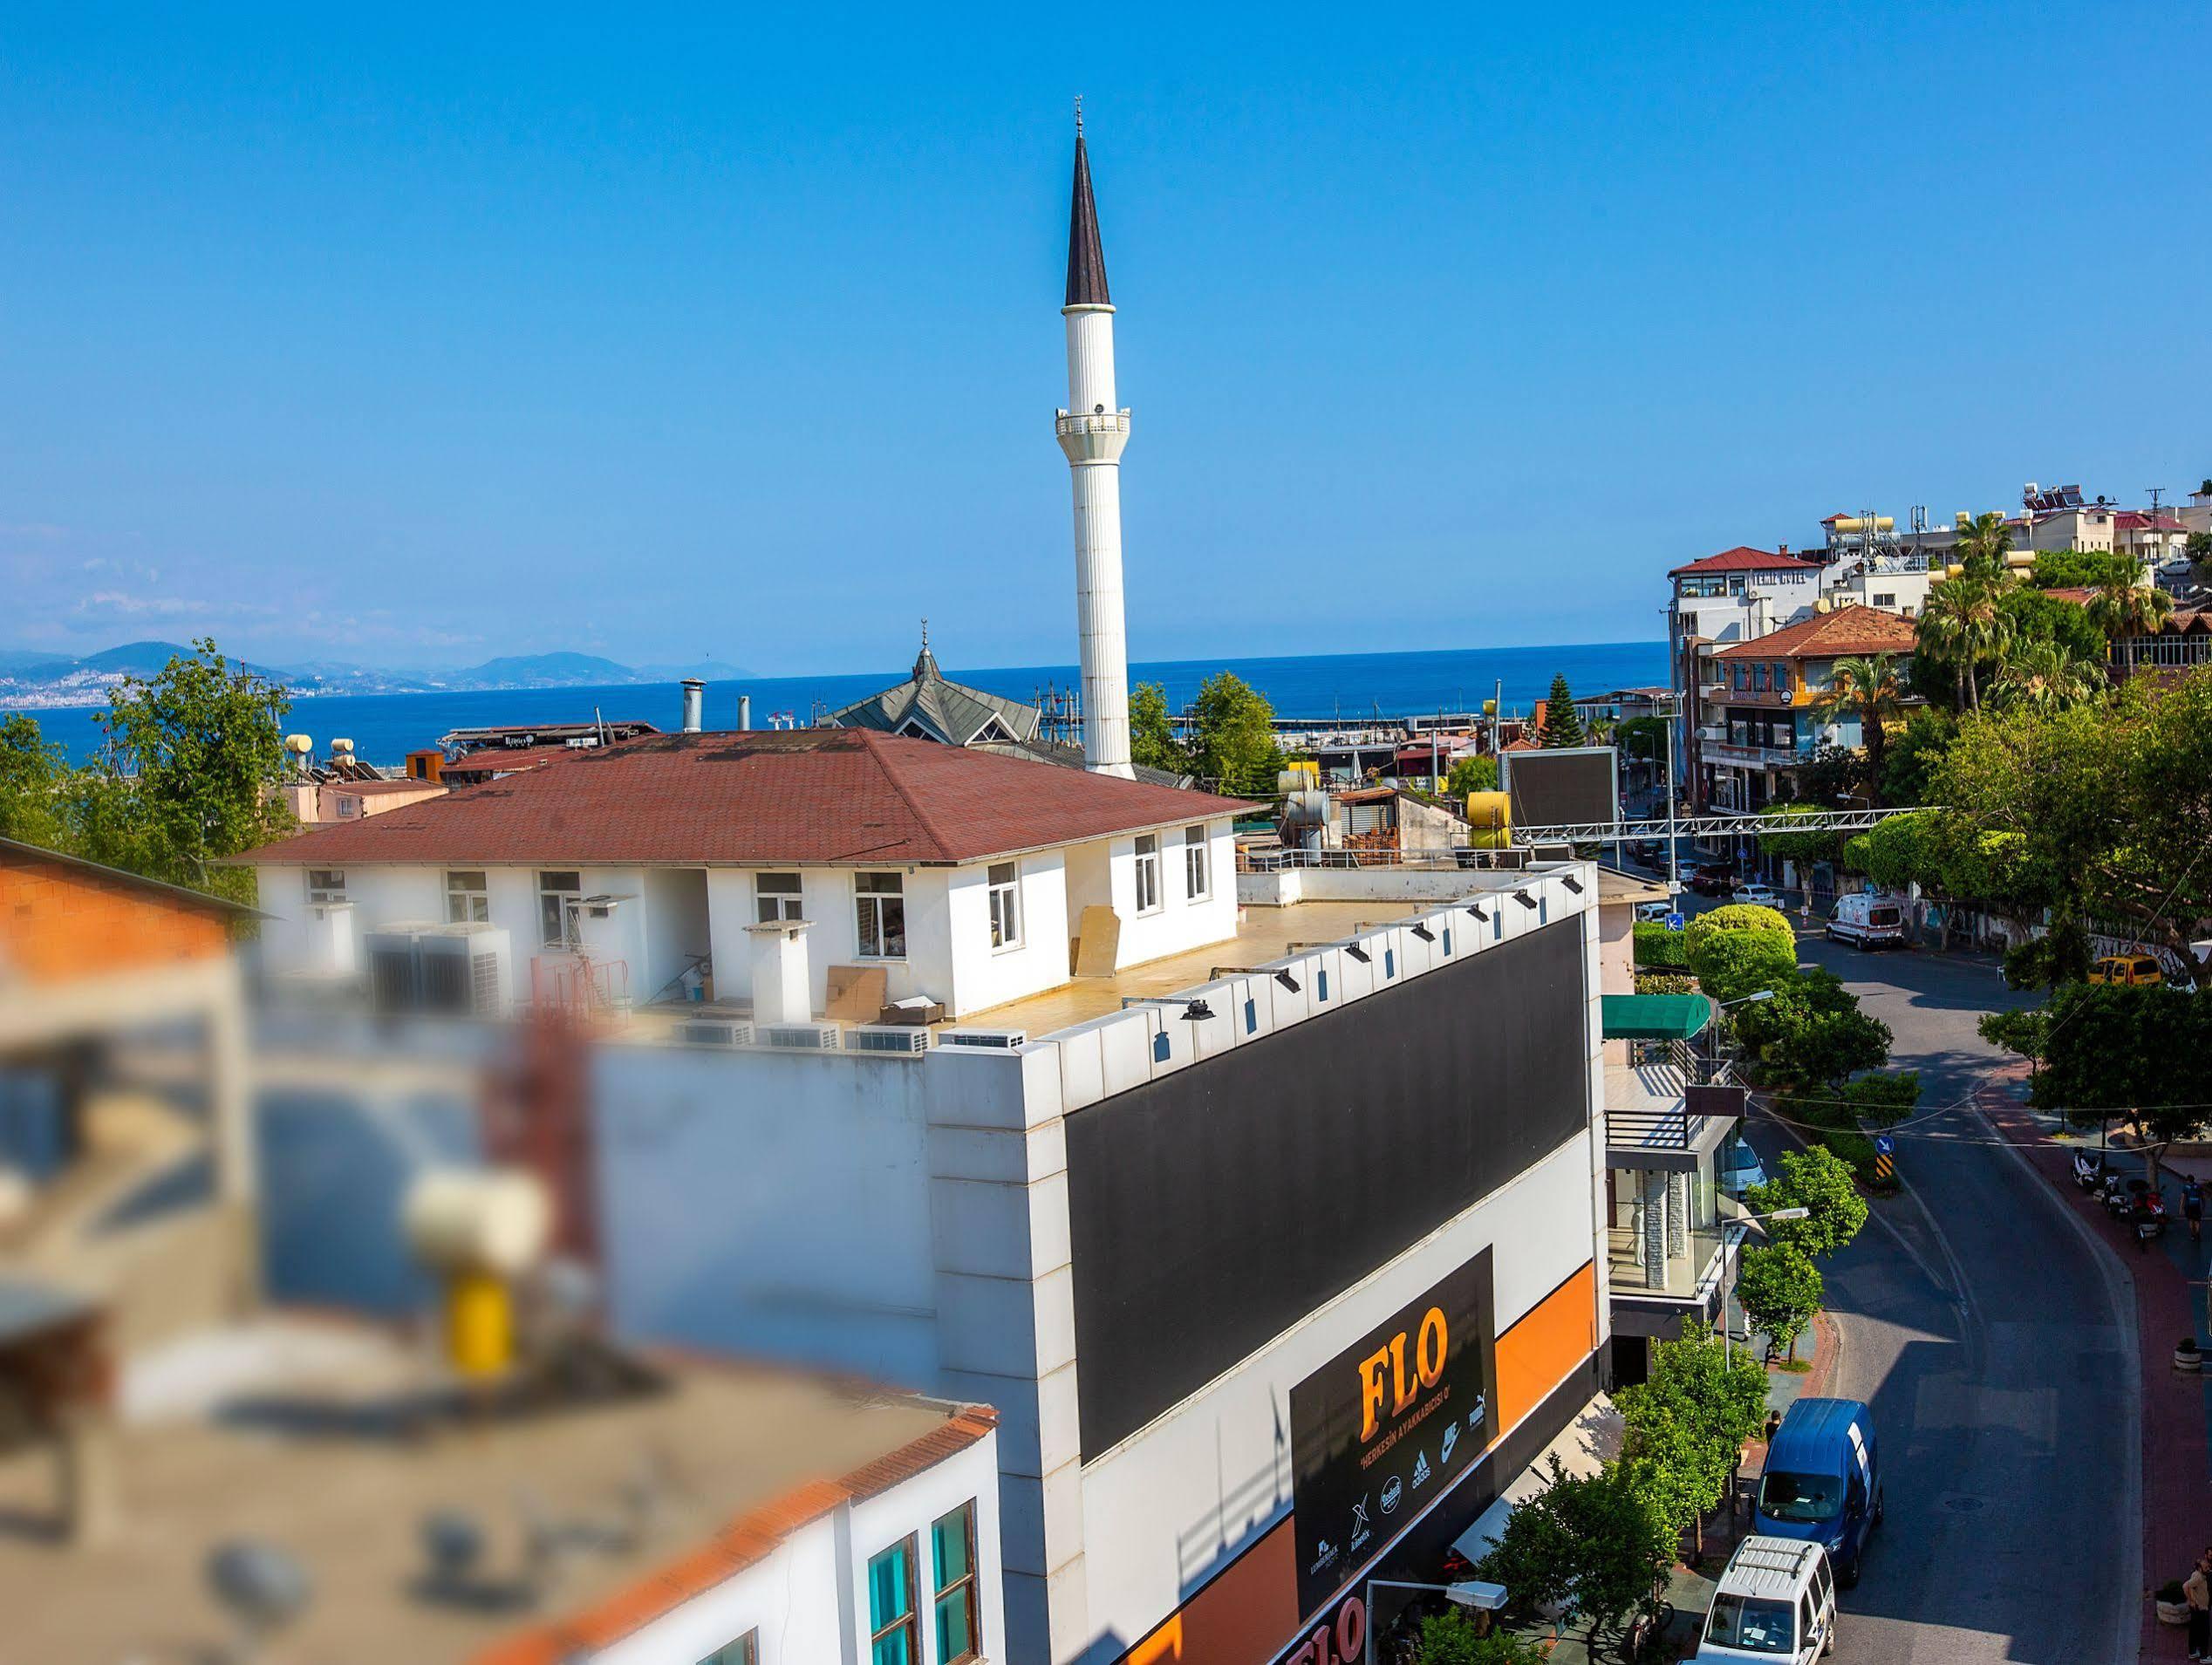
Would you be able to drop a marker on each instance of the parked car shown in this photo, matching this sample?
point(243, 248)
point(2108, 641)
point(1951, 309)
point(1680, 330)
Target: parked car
point(1775, 1601)
point(1737, 1168)
point(1823, 1481)
point(1650, 852)
point(2133, 971)
point(1712, 878)
point(1869, 921)
point(1757, 895)
point(1654, 912)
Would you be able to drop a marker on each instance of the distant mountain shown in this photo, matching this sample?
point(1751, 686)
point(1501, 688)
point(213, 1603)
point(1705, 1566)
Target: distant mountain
point(33, 680)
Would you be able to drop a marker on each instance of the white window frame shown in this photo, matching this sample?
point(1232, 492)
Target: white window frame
point(467, 903)
point(569, 895)
point(1002, 895)
point(868, 909)
point(325, 884)
point(1198, 865)
point(1147, 873)
point(776, 906)
point(348, 806)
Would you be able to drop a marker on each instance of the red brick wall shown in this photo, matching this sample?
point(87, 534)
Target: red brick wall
point(59, 922)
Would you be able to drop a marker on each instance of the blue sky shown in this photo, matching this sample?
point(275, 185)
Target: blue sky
point(406, 339)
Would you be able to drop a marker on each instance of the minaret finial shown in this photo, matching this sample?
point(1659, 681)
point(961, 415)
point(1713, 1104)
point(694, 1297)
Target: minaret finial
point(925, 633)
point(1079, 115)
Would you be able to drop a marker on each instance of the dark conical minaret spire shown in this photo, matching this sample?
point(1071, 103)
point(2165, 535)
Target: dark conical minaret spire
point(1086, 259)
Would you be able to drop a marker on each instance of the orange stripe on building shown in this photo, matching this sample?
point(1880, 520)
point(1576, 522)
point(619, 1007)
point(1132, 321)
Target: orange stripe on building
point(1550, 1339)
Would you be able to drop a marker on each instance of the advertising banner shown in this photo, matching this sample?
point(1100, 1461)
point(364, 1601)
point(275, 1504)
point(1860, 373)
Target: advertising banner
point(1387, 1424)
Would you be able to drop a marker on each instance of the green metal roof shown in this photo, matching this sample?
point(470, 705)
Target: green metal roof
point(1655, 1017)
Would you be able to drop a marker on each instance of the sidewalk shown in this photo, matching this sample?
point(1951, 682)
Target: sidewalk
point(2177, 1406)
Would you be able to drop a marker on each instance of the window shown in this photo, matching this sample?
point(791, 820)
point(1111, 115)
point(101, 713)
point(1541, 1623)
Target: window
point(952, 1543)
point(1758, 676)
point(347, 805)
point(894, 1639)
point(1006, 904)
point(1885, 598)
point(775, 897)
point(556, 894)
point(467, 901)
point(1147, 873)
point(746, 1650)
point(1196, 883)
point(325, 884)
point(880, 903)
point(1755, 1624)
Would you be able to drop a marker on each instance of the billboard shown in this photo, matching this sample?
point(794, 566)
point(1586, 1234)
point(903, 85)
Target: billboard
point(1571, 787)
point(1384, 1427)
point(1218, 1206)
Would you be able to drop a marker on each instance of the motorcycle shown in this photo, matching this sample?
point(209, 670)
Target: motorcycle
point(2148, 1215)
point(2118, 1195)
point(2089, 1169)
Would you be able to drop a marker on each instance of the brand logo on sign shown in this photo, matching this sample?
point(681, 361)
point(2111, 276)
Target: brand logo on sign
point(1383, 1376)
point(1475, 1416)
point(1421, 1469)
point(1392, 1491)
point(1326, 1556)
point(1361, 1530)
point(1451, 1439)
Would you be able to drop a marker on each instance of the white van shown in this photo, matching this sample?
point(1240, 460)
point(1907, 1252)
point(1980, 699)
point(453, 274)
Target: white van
point(1870, 921)
point(1775, 1601)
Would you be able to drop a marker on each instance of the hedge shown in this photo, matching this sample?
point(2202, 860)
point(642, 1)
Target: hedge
point(1660, 949)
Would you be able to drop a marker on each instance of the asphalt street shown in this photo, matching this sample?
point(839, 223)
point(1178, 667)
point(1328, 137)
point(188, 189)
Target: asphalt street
point(1984, 1328)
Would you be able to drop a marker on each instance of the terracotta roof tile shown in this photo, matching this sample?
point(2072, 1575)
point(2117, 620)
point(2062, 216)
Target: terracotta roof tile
point(1825, 636)
point(1743, 558)
point(835, 796)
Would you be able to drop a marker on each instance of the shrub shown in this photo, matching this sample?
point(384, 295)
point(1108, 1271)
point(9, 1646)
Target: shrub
point(1740, 949)
point(1665, 983)
point(1660, 948)
point(1449, 1638)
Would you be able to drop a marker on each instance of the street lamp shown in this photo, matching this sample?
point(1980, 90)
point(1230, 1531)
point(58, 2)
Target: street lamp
point(1728, 1330)
point(1755, 996)
point(1470, 1592)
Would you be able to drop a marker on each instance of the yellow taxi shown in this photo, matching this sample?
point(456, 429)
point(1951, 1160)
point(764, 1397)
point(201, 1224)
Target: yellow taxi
point(2133, 971)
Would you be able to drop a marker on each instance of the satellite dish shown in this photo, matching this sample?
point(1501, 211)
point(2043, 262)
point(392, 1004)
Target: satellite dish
point(263, 1588)
point(1098, 410)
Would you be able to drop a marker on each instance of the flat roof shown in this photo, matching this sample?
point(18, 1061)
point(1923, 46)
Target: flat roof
point(320, 1464)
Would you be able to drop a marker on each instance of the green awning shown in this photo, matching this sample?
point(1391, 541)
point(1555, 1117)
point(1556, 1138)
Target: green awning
point(1655, 1017)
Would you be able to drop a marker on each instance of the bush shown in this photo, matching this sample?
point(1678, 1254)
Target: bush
point(1449, 1639)
point(1665, 983)
point(1660, 948)
point(1738, 949)
point(1882, 1101)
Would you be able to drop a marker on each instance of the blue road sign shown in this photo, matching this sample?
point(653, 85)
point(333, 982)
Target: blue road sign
point(1675, 922)
point(1884, 1145)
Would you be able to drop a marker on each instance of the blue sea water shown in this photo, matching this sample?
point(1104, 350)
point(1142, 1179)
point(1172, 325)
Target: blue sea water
point(1321, 687)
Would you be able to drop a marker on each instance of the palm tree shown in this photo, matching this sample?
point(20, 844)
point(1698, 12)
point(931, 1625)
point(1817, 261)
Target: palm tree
point(1983, 543)
point(2045, 677)
point(1872, 690)
point(2121, 608)
point(1962, 622)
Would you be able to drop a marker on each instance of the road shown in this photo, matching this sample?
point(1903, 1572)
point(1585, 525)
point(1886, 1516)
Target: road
point(1982, 1325)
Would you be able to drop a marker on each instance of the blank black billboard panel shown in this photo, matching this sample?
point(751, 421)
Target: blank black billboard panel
point(1563, 788)
point(1216, 1207)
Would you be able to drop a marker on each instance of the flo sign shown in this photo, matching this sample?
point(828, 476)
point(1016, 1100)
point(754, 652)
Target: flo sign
point(1379, 1432)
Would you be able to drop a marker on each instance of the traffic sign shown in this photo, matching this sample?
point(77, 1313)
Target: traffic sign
point(1884, 1145)
point(1675, 922)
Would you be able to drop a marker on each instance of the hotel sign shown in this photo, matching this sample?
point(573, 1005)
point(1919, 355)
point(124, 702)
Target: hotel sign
point(1386, 1426)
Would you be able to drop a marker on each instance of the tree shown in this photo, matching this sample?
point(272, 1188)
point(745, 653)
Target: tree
point(1687, 1421)
point(1738, 949)
point(1642, 740)
point(1232, 736)
point(1152, 744)
point(1450, 1638)
point(1779, 1290)
point(2143, 1055)
point(1562, 723)
point(2081, 569)
point(193, 754)
point(1803, 848)
point(1472, 774)
point(2198, 547)
point(2121, 607)
point(2044, 677)
point(2062, 955)
point(1596, 1545)
point(1814, 1179)
point(1911, 756)
point(1982, 544)
point(34, 773)
point(1962, 626)
point(1870, 688)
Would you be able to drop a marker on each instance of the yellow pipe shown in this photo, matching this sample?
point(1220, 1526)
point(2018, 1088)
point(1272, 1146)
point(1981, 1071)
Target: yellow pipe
point(479, 1324)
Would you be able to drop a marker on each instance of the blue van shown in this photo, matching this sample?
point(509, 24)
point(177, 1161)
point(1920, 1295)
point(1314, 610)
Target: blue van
point(1823, 1481)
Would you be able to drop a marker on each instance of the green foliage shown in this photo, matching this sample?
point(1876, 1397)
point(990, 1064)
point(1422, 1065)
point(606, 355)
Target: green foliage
point(1660, 948)
point(1471, 773)
point(33, 774)
point(1982, 544)
point(1871, 689)
point(1814, 1047)
point(1450, 1638)
point(1779, 1290)
point(2122, 607)
point(2198, 545)
point(1881, 1101)
point(2045, 677)
point(1594, 1545)
point(1562, 723)
point(1814, 1179)
point(2142, 1054)
point(2024, 1032)
point(2081, 569)
point(1738, 949)
point(1830, 773)
point(2061, 954)
point(1232, 738)
point(1803, 848)
point(1913, 753)
point(1684, 1426)
point(1665, 983)
point(1962, 626)
point(1641, 739)
point(1152, 744)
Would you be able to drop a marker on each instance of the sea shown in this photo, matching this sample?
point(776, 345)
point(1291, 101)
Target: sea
point(1325, 689)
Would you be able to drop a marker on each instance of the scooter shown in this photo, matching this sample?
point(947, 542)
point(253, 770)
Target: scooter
point(2089, 1169)
point(2149, 1218)
point(2118, 1195)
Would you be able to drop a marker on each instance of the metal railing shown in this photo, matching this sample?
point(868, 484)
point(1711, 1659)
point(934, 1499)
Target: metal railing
point(1458, 858)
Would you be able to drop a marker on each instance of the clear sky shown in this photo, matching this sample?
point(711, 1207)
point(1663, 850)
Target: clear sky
point(398, 337)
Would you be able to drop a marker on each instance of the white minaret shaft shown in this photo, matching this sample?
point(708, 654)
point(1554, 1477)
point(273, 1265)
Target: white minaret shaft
point(1092, 431)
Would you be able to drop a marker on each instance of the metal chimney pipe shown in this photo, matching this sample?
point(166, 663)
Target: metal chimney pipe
point(694, 703)
point(745, 711)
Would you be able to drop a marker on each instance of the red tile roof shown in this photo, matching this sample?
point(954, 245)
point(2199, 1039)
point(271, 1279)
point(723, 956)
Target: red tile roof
point(1832, 635)
point(838, 795)
point(1743, 558)
point(2135, 520)
point(510, 760)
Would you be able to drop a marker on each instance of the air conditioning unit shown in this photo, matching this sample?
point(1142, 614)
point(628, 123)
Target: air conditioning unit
point(712, 1031)
point(896, 1040)
point(464, 971)
point(395, 966)
point(985, 1040)
point(797, 1037)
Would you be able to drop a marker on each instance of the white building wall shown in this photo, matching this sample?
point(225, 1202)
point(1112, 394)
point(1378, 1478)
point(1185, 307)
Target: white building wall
point(984, 976)
point(1180, 922)
point(909, 1510)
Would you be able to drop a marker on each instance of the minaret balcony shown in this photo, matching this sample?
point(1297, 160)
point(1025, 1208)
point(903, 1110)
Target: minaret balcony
point(1092, 436)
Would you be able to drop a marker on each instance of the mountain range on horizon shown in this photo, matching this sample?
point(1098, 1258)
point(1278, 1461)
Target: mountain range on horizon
point(31, 679)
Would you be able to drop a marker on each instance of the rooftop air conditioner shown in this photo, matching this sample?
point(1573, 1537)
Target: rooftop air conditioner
point(464, 971)
point(797, 1037)
point(899, 1039)
point(712, 1031)
point(985, 1040)
point(395, 966)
